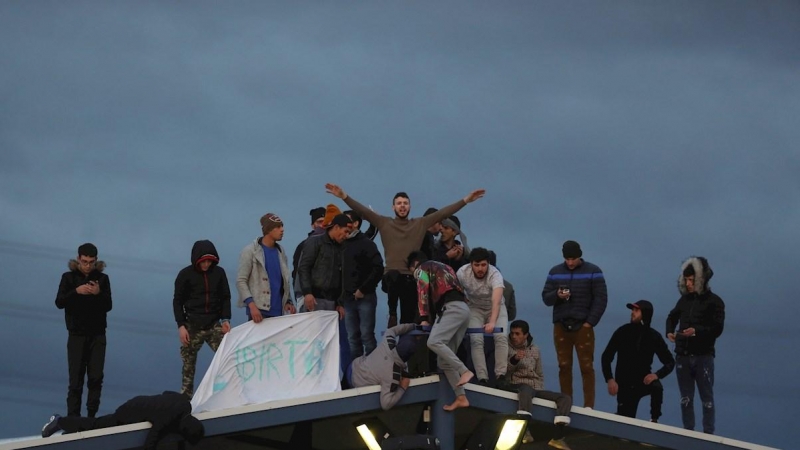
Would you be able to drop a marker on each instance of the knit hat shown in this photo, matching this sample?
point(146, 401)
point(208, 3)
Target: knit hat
point(316, 213)
point(269, 222)
point(331, 211)
point(340, 219)
point(407, 345)
point(571, 249)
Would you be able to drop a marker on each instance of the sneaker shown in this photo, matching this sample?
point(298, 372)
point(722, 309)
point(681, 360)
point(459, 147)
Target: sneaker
point(558, 443)
point(483, 382)
point(51, 426)
point(654, 420)
point(528, 438)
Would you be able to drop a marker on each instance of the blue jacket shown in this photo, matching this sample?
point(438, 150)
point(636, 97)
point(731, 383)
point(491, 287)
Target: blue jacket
point(588, 294)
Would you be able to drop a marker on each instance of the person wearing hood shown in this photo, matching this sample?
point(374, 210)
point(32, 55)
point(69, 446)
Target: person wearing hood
point(635, 344)
point(362, 269)
point(694, 326)
point(168, 412)
point(85, 296)
point(202, 308)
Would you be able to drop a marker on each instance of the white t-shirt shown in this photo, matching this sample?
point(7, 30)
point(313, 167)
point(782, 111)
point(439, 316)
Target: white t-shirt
point(479, 291)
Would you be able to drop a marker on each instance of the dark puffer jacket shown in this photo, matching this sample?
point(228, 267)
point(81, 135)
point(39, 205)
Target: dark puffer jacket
point(84, 314)
point(702, 310)
point(202, 298)
point(588, 294)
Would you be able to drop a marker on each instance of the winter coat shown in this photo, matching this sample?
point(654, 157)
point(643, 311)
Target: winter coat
point(84, 315)
point(702, 310)
point(362, 265)
point(252, 280)
point(201, 298)
point(320, 270)
point(588, 294)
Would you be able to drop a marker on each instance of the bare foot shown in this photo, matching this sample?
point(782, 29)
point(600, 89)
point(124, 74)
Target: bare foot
point(460, 402)
point(465, 377)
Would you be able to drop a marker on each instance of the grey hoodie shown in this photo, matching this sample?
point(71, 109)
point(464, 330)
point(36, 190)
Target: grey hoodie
point(379, 367)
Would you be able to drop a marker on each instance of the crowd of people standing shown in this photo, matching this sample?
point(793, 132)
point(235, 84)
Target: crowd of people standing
point(429, 272)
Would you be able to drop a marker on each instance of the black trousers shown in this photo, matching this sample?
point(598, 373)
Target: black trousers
point(85, 355)
point(73, 424)
point(628, 397)
point(402, 288)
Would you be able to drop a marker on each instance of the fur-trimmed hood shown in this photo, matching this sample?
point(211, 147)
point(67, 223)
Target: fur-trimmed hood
point(702, 275)
point(98, 265)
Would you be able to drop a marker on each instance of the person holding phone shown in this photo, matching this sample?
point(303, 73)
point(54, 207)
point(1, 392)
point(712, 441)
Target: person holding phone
point(85, 296)
point(694, 326)
point(576, 289)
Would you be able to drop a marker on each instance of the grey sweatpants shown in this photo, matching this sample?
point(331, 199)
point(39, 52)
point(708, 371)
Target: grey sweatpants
point(478, 319)
point(446, 335)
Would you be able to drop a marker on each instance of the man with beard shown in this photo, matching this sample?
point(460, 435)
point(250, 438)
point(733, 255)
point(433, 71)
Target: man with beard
point(635, 344)
point(448, 249)
point(400, 236)
point(483, 285)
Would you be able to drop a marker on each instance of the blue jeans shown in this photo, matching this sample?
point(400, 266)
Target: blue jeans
point(700, 370)
point(359, 318)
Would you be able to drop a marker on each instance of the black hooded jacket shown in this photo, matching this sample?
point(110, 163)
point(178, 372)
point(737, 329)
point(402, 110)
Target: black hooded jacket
point(702, 310)
point(202, 298)
point(84, 314)
point(635, 344)
point(164, 411)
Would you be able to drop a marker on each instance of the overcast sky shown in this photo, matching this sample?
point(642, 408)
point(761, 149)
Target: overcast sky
point(648, 132)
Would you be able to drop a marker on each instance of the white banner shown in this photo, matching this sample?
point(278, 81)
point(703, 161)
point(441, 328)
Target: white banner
point(282, 357)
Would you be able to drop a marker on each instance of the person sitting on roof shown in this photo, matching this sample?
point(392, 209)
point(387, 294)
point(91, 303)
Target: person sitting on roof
point(526, 377)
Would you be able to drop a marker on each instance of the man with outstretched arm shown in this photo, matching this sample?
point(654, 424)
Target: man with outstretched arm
point(400, 236)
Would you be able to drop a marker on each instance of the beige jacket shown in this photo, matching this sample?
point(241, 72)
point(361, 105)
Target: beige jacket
point(252, 280)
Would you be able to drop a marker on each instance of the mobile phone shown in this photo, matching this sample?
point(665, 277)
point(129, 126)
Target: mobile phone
point(564, 289)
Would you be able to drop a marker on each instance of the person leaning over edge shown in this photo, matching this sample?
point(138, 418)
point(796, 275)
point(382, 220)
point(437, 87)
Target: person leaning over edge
point(167, 412)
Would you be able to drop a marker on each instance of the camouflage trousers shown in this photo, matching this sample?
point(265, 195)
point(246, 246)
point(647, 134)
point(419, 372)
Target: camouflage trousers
point(211, 336)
